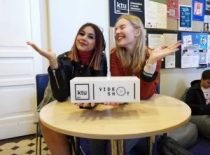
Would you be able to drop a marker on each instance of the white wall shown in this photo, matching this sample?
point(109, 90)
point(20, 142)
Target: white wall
point(67, 16)
point(173, 82)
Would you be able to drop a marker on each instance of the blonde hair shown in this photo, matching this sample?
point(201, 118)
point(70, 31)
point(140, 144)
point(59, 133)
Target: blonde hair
point(137, 60)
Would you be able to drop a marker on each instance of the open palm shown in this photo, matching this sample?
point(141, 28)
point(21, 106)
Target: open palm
point(47, 54)
point(159, 53)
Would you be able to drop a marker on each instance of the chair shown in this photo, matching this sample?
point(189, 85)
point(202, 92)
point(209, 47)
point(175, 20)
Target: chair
point(41, 84)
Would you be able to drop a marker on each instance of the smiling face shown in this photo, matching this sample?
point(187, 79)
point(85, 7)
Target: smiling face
point(125, 34)
point(86, 39)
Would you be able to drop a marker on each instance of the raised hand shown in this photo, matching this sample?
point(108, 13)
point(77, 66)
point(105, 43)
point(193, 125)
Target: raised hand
point(159, 53)
point(51, 56)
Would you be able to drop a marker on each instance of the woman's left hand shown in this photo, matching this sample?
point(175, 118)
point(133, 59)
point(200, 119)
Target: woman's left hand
point(159, 53)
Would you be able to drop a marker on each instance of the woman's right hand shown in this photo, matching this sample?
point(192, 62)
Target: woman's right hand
point(51, 56)
point(86, 105)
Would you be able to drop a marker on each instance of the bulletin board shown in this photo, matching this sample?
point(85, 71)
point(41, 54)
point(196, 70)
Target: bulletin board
point(163, 22)
point(194, 50)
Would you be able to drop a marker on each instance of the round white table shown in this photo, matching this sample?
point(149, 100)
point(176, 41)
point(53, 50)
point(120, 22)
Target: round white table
point(151, 117)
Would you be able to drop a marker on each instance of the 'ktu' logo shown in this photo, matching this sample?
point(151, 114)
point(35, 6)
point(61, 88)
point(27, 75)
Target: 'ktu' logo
point(82, 92)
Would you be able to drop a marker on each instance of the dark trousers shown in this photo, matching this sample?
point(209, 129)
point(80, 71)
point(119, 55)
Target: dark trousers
point(99, 147)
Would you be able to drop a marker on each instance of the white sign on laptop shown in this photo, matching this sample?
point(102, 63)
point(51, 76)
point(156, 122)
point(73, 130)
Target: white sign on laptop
point(105, 89)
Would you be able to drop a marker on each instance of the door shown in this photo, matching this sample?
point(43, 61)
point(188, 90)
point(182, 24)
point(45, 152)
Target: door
point(20, 22)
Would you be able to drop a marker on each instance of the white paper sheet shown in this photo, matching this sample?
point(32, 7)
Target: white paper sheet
point(155, 15)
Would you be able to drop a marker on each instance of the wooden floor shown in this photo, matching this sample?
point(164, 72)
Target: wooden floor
point(25, 145)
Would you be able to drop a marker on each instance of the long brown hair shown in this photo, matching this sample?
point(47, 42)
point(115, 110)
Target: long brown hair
point(137, 60)
point(100, 46)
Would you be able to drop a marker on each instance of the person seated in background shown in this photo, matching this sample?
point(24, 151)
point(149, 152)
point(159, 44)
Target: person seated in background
point(86, 58)
point(198, 98)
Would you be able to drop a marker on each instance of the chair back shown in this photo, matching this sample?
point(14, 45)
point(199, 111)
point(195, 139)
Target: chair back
point(41, 84)
point(158, 89)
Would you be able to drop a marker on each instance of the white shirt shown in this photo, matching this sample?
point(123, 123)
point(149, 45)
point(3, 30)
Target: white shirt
point(206, 93)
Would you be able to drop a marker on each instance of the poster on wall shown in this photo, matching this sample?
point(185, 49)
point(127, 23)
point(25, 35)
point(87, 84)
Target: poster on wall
point(198, 10)
point(194, 49)
point(121, 7)
point(185, 18)
point(207, 7)
point(170, 39)
point(155, 14)
point(172, 9)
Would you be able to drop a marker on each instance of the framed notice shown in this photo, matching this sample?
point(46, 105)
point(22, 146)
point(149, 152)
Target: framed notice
point(185, 18)
point(124, 7)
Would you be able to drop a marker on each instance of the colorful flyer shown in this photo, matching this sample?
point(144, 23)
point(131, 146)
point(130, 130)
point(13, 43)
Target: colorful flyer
point(194, 49)
point(198, 10)
point(185, 21)
point(172, 8)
